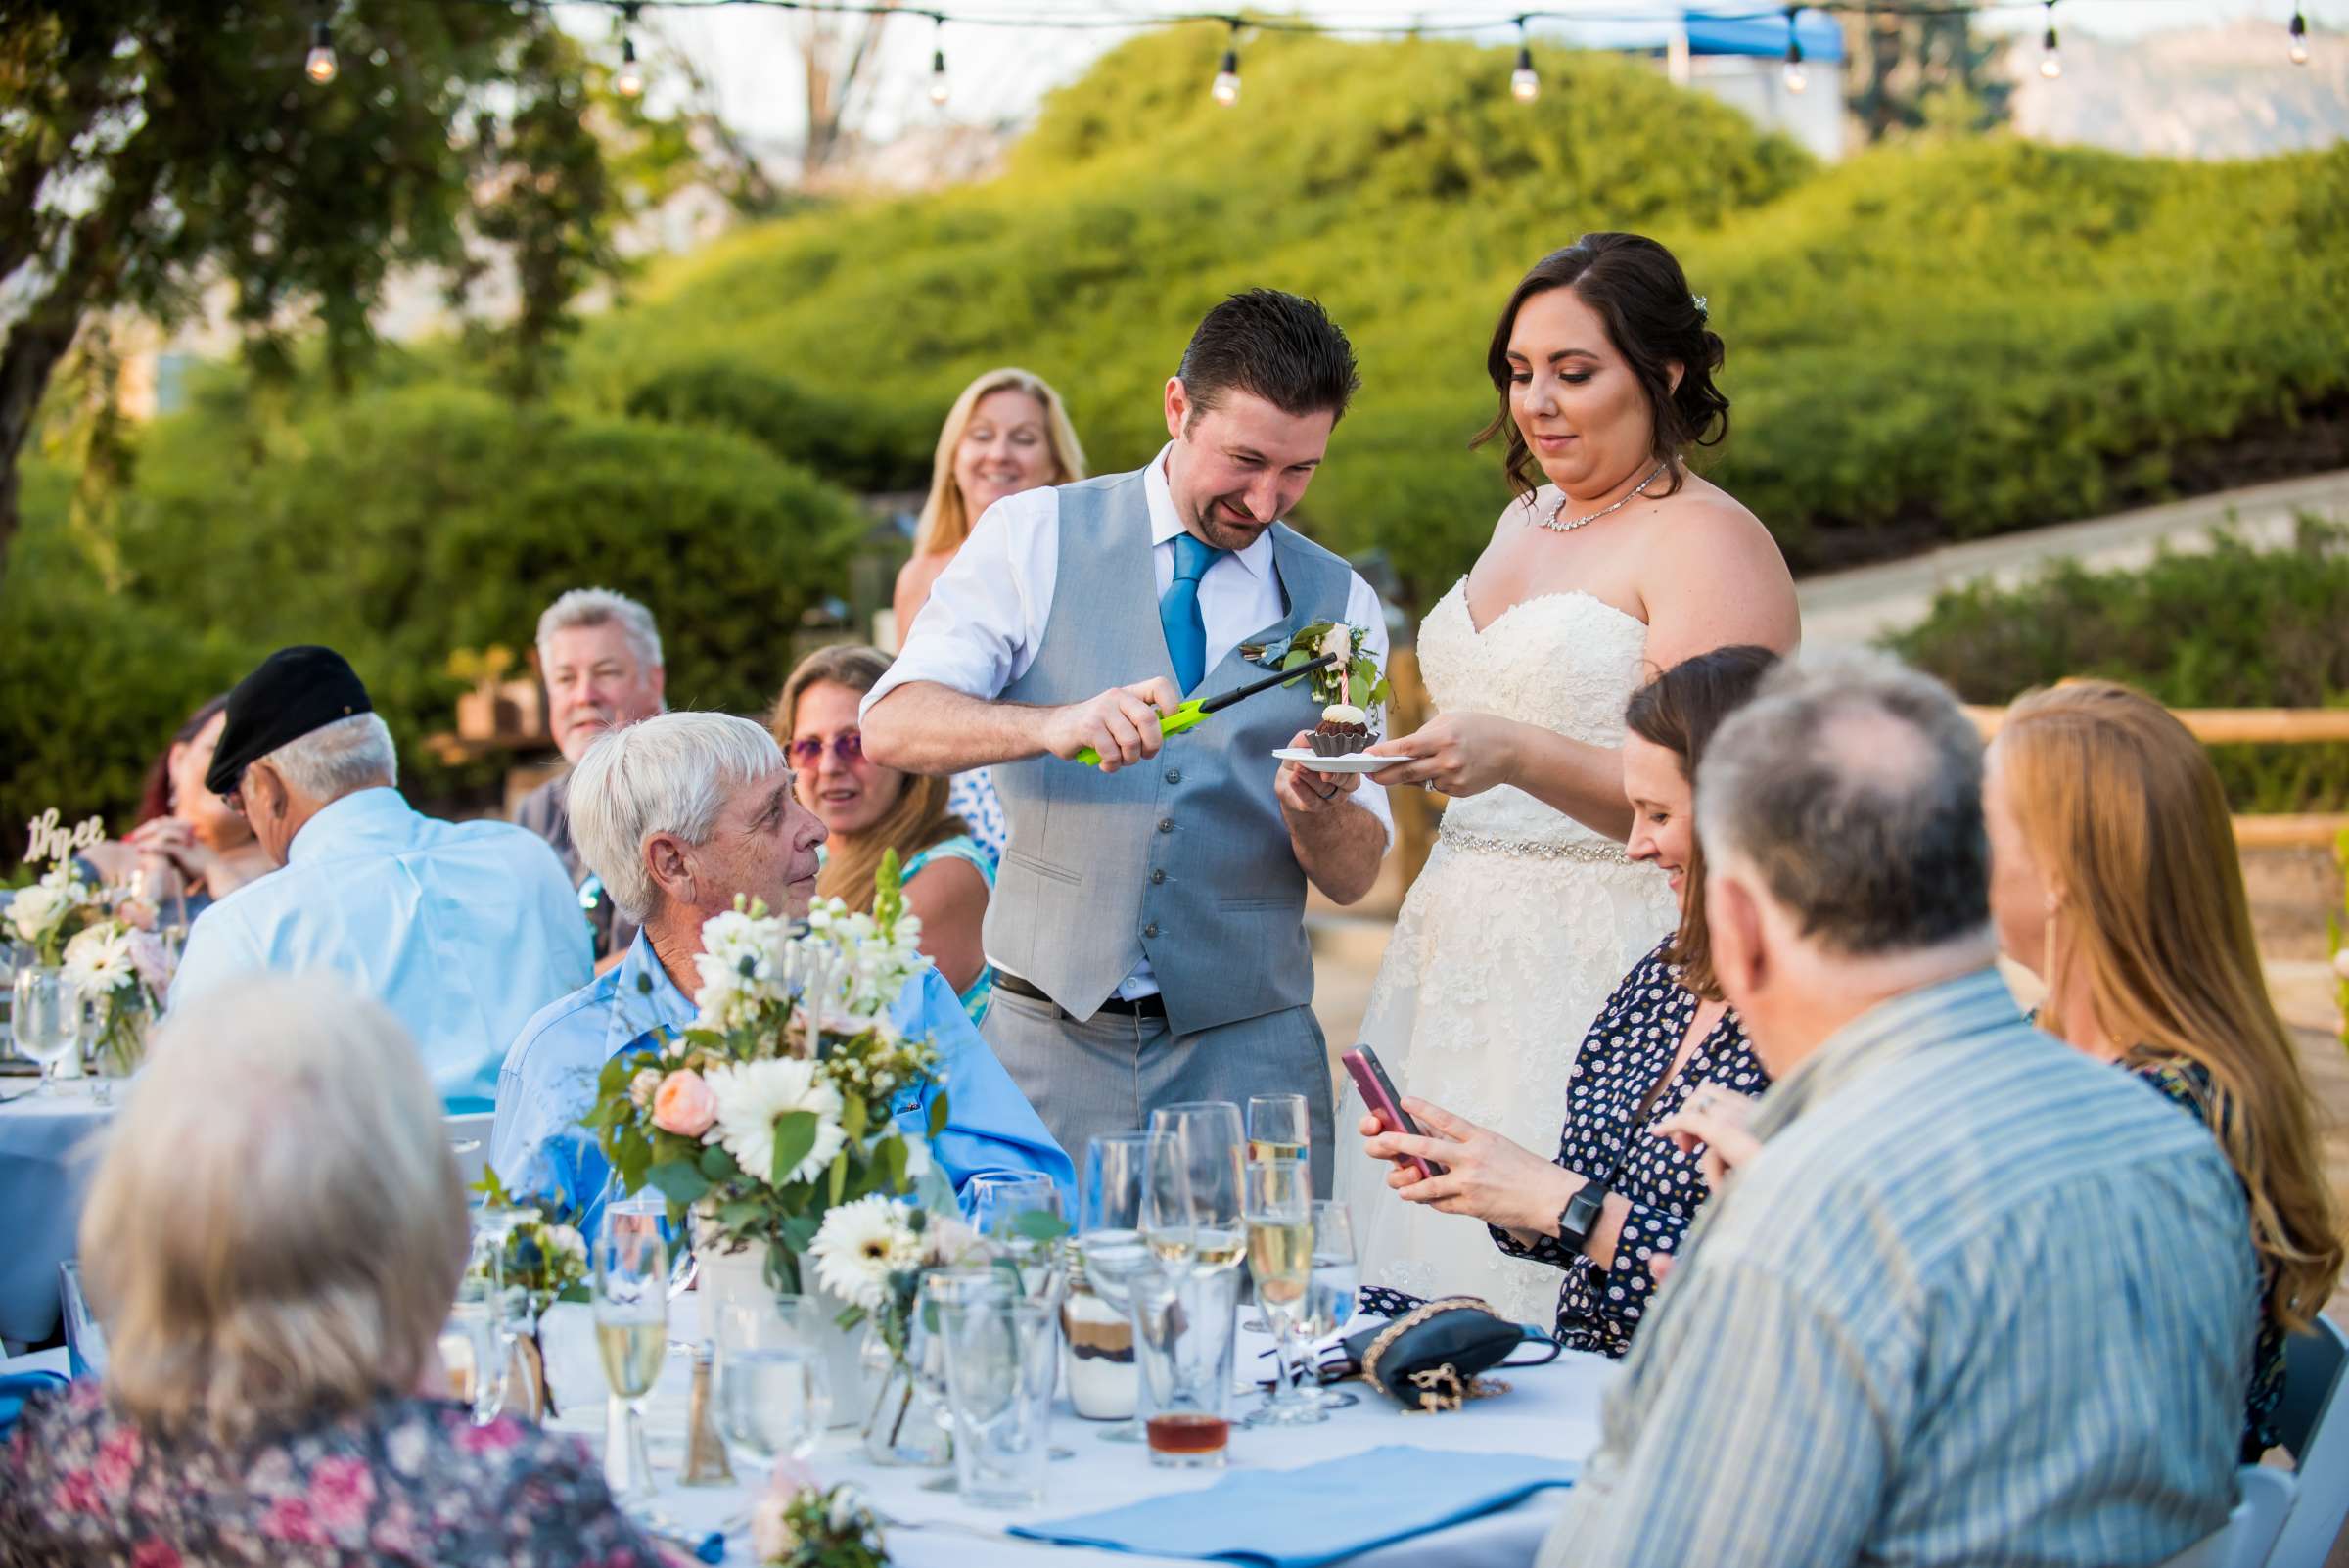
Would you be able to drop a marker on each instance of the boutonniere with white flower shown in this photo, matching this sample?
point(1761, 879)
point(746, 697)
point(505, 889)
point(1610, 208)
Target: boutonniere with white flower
point(1355, 680)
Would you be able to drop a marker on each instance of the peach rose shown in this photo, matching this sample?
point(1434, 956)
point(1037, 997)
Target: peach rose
point(683, 1104)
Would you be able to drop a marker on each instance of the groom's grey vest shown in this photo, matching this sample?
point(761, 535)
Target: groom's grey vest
point(1183, 857)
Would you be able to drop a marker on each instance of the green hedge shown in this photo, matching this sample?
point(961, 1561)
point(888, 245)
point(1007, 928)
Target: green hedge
point(847, 442)
point(2234, 627)
point(1931, 341)
point(399, 527)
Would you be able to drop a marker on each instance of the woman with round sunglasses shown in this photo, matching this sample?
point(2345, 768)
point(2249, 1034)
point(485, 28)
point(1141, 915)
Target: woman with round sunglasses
point(868, 810)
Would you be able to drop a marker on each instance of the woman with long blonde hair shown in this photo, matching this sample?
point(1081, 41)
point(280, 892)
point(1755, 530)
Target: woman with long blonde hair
point(2115, 880)
point(1007, 432)
point(868, 810)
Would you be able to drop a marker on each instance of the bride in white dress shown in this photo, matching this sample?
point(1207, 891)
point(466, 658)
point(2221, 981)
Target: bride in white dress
point(1527, 914)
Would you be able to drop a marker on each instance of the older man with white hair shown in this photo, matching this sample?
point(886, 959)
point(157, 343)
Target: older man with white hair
point(680, 815)
point(599, 652)
point(461, 928)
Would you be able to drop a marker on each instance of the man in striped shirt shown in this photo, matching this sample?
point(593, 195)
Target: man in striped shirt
point(1966, 1296)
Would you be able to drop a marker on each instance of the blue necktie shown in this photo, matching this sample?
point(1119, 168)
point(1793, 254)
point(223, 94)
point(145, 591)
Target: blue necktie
point(1178, 610)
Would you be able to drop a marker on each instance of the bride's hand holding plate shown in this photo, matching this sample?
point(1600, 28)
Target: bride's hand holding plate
point(1456, 753)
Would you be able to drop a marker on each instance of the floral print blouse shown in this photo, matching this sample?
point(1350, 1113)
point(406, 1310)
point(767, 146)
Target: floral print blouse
point(2187, 1085)
point(1627, 1050)
point(404, 1481)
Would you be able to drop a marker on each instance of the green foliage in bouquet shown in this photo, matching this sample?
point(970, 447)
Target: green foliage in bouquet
point(779, 1105)
point(545, 1258)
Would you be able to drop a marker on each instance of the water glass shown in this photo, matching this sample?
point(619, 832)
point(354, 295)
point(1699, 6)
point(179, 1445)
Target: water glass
point(1337, 1281)
point(999, 1204)
point(631, 1332)
point(926, 1345)
point(1002, 1357)
point(45, 1019)
point(472, 1351)
point(774, 1396)
point(1184, 1320)
point(1109, 1229)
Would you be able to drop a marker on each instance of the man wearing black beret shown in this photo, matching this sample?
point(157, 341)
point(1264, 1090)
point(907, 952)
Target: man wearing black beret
point(462, 928)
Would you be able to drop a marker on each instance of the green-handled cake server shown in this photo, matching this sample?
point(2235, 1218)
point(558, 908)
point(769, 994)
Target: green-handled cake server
point(1191, 714)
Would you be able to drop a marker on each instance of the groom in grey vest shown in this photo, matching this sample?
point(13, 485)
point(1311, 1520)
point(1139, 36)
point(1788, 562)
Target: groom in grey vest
point(1147, 925)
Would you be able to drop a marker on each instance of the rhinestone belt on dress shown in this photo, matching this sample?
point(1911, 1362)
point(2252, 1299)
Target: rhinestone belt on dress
point(1533, 848)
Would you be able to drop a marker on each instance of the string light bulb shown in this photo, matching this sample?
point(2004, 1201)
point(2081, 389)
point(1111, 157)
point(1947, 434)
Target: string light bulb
point(1226, 87)
point(1796, 79)
point(1524, 85)
point(2299, 36)
point(938, 91)
point(629, 80)
point(320, 65)
point(2050, 64)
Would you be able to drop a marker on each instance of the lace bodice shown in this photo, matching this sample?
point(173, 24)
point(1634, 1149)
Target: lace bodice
point(1567, 661)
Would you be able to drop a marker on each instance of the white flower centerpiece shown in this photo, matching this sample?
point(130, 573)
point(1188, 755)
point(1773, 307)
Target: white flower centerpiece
point(777, 1106)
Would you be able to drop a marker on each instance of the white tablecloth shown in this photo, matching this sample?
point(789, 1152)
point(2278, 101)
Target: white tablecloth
point(40, 1200)
point(1549, 1411)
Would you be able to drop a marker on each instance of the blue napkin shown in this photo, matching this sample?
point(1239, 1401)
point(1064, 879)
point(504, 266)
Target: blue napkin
point(15, 1388)
point(1301, 1518)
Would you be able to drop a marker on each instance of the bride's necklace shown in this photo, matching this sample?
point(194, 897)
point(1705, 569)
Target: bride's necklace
point(1554, 526)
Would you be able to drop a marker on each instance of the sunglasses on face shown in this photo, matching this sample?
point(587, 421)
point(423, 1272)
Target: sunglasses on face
point(847, 746)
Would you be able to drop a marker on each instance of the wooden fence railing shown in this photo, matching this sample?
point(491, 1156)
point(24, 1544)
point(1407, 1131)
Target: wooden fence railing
point(2235, 726)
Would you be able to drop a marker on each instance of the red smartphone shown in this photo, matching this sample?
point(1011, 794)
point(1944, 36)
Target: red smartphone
point(1378, 1092)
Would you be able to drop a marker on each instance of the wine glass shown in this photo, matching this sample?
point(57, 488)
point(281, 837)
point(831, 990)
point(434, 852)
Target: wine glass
point(1193, 1200)
point(471, 1346)
point(1279, 1212)
point(774, 1395)
point(631, 1331)
point(46, 1020)
point(1109, 1228)
point(1337, 1281)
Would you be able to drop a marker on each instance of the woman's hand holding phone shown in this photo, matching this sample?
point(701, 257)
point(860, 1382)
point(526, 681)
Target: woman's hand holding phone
point(1479, 1173)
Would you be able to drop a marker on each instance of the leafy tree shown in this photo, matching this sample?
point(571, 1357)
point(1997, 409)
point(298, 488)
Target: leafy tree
point(1929, 72)
point(160, 157)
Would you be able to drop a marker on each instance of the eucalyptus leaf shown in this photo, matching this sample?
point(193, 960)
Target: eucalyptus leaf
point(853, 1117)
point(937, 1113)
point(840, 1174)
point(1037, 1224)
point(679, 1181)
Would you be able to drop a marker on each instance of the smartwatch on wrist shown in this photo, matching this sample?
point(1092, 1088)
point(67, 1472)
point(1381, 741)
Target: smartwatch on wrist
point(1579, 1215)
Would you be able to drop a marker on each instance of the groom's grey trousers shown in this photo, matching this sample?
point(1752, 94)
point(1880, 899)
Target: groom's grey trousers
point(1106, 1072)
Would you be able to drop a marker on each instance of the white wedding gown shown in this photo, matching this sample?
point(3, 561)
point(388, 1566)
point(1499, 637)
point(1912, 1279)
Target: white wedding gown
point(1510, 942)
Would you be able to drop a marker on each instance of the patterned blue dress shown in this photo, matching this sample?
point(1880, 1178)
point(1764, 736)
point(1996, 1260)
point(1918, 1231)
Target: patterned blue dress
point(972, 796)
point(1607, 1138)
point(976, 995)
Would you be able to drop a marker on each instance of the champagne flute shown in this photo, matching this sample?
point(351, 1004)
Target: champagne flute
point(1279, 1128)
point(631, 1331)
point(1280, 1255)
point(1109, 1228)
point(1337, 1281)
point(774, 1393)
point(1194, 1199)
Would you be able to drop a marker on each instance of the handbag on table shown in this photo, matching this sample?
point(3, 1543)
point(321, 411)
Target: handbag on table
point(1434, 1357)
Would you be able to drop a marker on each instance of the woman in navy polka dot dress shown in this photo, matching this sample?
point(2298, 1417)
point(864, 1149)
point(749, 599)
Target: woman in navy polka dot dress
point(1618, 1196)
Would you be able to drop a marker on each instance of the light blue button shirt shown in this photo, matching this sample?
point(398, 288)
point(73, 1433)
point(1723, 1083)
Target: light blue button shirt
point(462, 928)
point(549, 1084)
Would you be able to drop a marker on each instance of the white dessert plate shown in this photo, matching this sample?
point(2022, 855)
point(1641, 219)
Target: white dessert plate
point(1352, 762)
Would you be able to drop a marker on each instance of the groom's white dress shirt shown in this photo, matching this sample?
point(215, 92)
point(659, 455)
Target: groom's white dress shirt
point(986, 616)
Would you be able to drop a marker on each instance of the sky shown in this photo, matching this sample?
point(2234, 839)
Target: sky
point(998, 74)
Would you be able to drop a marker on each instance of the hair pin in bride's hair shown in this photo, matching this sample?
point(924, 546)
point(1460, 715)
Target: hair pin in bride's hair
point(1698, 300)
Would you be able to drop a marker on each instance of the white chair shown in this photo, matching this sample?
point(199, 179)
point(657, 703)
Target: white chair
point(469, 1141)
point(2314, 1424)
point(2242, 1541)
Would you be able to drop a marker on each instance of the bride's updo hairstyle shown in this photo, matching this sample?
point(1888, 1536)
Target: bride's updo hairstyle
point(1637, 289)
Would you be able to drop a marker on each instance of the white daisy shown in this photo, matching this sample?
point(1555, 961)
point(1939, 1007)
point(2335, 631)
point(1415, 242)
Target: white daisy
point(751, 1095)
point(861, 1245)
point(98, 959)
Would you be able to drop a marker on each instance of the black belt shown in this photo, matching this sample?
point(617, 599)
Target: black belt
point(1153, 1006)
